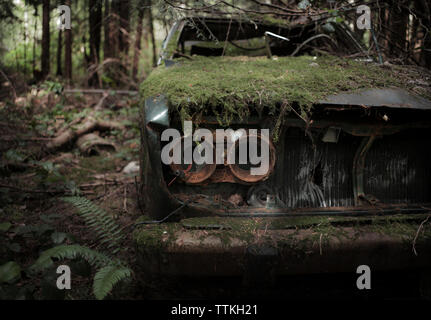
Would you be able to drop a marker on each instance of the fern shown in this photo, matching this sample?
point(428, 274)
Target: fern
point(110, 270)
point(105, 227)
point(62, 252)
point(106, 278)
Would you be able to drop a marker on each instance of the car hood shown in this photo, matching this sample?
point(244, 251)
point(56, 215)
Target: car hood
point(233, 86)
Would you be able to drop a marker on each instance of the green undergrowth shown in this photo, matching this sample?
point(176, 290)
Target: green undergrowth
point(90, 166)
point(231, 87)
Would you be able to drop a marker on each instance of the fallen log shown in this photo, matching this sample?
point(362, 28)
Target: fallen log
point(70, 135)
point(92, 144)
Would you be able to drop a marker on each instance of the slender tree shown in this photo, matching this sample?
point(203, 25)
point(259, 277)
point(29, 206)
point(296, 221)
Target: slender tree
point(68, 51)
point(95, 22)
point(151, 30)
point(107, 30)
point(59, 52)
point(137, 48)
point(398, 22)
point(124, 25)
point(45, 38)
point(34, 38)
point(423, 9)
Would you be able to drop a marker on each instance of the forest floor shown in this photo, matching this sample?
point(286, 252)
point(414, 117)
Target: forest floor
point(36, 171)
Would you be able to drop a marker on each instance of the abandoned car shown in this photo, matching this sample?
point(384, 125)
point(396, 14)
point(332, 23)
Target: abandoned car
point(349, 177)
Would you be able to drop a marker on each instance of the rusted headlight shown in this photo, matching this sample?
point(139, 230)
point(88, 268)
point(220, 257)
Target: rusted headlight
point(244, 171)
point(194, 173)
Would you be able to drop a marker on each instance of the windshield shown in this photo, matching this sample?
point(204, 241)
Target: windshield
point(228, 37)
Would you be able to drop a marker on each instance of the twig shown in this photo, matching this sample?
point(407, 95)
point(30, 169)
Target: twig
point(293, 109)
point(183, 55)
point(125, 199)
point(309, 40)
point(99, 105)
point(320, 243)
point(417, 234)
point(227, 37)
point(89, 185)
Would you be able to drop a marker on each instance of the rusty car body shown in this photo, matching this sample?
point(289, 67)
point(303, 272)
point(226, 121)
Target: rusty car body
point(350, 186)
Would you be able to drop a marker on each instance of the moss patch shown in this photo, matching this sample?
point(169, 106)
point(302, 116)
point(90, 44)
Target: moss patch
point(154, 236)
point(231, 87)
point(320, 230)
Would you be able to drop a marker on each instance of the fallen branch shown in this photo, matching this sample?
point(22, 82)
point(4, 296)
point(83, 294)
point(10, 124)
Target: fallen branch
point(70, 135)
point(91, 185)
point(99, 105)
point(101, 91)
point(16, 138)
point(309, 40)
point(69, 125)
point(24, 190)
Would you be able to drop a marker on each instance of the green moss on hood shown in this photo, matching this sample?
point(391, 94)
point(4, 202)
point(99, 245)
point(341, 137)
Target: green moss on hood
point(231, 86)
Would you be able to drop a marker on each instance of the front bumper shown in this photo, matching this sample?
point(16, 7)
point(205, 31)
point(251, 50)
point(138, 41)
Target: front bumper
point(258, 247)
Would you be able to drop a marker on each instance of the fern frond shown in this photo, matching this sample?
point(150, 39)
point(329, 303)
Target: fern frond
point(106, 278)
point(109, 233)
point(62, 252)
point(105, 227)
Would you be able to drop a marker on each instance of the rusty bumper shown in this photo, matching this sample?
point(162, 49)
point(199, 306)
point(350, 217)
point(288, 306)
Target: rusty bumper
point(283, 246)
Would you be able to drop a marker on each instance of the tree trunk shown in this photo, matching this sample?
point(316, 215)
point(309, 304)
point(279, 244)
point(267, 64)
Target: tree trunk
point(95, 22)
point(45, 38)
point(138, 40)
point(424, 8)
point(382, 24)
point(107, 21)
point(124, 17)
point(25, 43)
point(59, 49)
point(68, 51)
point(119, 38)
point(398, 21)
point(113, 29)
point(151, 29)
point(34, 39)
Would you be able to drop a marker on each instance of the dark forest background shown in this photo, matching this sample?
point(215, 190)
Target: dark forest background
point(114, 43)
